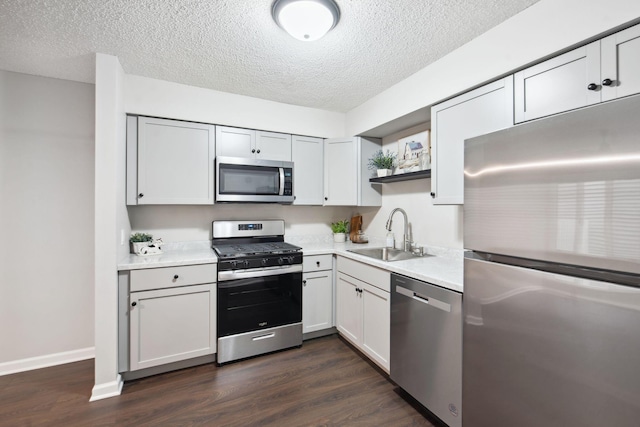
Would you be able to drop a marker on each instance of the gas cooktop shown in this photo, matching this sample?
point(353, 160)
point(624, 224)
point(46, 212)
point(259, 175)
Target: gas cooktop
point(237, 250)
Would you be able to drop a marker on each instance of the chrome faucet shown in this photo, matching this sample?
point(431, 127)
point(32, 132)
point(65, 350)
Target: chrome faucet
point(406, 241)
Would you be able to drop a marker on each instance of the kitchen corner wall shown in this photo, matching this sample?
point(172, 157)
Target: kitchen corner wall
point(46, 221)
point(433, 225)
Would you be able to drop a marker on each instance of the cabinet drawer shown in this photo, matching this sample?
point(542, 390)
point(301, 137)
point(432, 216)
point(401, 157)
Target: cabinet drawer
point(367, 273)
point(317, 263)
point(169, 277)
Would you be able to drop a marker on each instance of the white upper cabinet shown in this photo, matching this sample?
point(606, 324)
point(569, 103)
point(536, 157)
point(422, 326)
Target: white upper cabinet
point(248, 143)
point(483, 110)
point(600, 71)
point(621, 64)
point(307, 155)
point(235, 142)
point(273, 146)
point(346, 177)
point(568, 81)
point(169, 162)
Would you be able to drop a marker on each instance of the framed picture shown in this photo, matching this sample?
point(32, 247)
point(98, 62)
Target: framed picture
point(414, 152)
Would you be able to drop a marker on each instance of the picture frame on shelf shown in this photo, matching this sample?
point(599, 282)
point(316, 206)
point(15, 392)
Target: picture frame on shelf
point(414, 152)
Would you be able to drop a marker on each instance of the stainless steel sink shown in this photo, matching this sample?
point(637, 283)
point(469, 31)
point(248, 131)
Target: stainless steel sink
point(386, 254)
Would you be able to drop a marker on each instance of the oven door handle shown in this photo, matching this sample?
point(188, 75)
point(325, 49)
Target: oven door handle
point(225, 276)
point(281, 192)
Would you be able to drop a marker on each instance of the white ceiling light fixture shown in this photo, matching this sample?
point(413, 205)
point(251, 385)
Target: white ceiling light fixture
point(306, 20)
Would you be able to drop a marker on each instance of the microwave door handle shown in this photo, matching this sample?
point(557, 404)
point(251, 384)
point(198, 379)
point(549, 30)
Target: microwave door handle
point(281, 192)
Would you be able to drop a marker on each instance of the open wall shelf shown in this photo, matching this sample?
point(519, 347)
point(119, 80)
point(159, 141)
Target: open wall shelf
point(402, 177)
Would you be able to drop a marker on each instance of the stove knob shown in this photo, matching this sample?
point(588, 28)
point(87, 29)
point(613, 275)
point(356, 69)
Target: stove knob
point(246, 263)
point(280, 260)
point(233, 264)
point(264, 261)
point(291, 260)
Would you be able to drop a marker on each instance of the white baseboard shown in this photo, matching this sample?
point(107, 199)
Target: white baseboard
point(106, 390)
point(32, 363)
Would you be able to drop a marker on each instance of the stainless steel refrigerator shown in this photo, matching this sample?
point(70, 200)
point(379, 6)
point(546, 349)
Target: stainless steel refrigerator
point(551, 306)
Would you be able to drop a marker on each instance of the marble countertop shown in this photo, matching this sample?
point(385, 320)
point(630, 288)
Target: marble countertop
point(444, 267)
point(187, 253)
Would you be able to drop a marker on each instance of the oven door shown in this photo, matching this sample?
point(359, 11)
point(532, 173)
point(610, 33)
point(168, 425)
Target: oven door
point(253, 180)
point(255, 303)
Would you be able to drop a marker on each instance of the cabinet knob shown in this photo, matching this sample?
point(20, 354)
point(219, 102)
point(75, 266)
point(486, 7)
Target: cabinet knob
point(326, 198)
point(317, 263)
point(253, 150)
point(140, 195)
point(175, 277)
point(433, 194)
point(133, 304)
point(607, 82)
point(304, 283)
point(592, 86)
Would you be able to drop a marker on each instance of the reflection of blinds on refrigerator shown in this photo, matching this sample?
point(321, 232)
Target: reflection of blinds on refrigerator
point(596, 218)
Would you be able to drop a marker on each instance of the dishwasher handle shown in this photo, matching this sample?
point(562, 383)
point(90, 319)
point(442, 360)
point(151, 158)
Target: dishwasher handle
point(424, 299)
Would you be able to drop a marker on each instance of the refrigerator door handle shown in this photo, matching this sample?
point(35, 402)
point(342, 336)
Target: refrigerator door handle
point(424, 299)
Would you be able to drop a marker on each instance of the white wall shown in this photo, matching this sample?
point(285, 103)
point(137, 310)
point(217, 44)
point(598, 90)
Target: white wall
point(46, 221)
point(109, 219)
point(192, 223)
point(160, 98)
point(541, 30)
point(433, 225)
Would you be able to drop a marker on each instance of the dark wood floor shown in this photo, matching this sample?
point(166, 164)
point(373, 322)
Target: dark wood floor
point(323, 383)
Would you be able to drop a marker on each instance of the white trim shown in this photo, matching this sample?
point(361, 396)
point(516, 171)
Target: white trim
point(106, 390)
point(46, 361)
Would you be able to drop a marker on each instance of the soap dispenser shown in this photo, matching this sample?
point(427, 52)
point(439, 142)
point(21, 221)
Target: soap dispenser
point(391, 241)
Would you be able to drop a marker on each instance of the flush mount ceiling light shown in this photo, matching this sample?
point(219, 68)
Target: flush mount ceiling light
point(306, 20)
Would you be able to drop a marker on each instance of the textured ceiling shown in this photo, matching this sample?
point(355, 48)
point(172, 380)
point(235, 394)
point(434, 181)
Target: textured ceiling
point(234, 45)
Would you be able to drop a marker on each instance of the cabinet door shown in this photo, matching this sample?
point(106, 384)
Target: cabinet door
point(317, 301)
point(235, 142)
point(349, 309)
point(172, 324)
point(559, 84)
point(308, 182)
point(273, 146)
point(483, 110)
point(341, 172)
point(175, 162)
point(621, 63)
point(376, 324)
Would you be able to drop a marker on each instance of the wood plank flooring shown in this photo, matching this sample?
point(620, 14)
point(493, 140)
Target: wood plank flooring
point(324, 383)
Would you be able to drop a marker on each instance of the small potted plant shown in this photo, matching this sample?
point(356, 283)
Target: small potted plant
point(138, 241)
point(339, 229)
point(382, 162)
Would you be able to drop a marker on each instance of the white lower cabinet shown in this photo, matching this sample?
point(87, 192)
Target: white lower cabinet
point(317, 301)
point(317, 293)
point(363, 310)
point(170, 324)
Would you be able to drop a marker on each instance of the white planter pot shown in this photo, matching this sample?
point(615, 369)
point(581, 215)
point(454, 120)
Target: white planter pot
point(339, 237)
point(136, 247)
point(384, 172)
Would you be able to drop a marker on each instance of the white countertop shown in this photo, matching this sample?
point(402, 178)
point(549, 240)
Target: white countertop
point(187, 253)
point(443, 268)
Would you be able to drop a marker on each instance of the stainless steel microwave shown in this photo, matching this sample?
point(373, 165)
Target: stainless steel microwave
point(253, 180)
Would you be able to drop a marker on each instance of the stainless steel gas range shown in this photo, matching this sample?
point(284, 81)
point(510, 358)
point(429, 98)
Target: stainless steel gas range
point(259, 308)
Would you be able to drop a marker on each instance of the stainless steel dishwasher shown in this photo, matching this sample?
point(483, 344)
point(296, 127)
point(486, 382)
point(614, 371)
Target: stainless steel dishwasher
point(426, 345)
